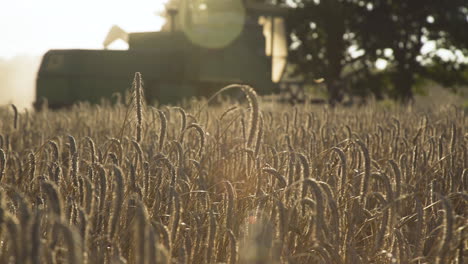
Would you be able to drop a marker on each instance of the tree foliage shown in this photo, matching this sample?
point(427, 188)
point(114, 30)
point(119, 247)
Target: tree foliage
point(342, 40)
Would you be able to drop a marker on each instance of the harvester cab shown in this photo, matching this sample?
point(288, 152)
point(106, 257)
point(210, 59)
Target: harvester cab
point(205, 45)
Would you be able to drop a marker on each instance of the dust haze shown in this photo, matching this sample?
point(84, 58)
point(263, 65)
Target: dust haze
point(17, 80)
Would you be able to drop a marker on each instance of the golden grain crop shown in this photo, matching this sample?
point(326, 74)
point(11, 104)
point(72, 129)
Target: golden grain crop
point(253, 182)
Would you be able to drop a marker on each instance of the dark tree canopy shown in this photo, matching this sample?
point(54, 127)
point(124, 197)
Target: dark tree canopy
point(341, 41)
point(320, 35)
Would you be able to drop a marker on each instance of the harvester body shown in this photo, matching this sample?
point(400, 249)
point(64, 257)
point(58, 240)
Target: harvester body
point(172, 64)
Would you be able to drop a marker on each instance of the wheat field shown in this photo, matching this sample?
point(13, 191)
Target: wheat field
point(227, 182)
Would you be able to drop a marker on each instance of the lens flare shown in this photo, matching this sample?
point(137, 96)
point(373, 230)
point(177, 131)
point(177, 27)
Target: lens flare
point(212, 23)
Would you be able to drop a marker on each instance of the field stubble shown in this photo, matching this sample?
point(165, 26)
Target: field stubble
point(258, 182)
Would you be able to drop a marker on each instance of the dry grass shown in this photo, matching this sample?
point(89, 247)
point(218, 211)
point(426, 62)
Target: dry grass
point(251, 183)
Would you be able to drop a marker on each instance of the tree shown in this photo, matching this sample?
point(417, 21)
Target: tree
point(341, 40)
point(398, 30)
point(320, 41)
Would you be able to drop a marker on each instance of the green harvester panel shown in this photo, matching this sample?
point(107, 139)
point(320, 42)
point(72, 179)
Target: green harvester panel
point(172, 66)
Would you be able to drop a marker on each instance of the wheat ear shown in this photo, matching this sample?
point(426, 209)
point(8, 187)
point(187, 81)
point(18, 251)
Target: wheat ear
point(201, 134)
point(55, 199)
point(138, 99)
point(319, 209)
point(162, 130)
point(211, 238)
point(280, 178)
point(15, 120)
point(254, 113)
point(118, 193)
point(367, 174)
point(343, 170)
point(2, 163)
point(233, 247)
point(447, 233)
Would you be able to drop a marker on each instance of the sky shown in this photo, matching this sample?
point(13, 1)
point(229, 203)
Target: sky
point(31, 27)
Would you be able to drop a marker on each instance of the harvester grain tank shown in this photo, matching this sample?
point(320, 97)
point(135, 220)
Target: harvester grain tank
point(204, 46)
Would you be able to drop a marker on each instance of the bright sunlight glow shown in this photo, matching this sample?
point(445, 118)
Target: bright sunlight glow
point(31, 27)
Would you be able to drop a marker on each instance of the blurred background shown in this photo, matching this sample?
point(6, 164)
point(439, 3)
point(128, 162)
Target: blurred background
point(340, 49)
point(29, 28)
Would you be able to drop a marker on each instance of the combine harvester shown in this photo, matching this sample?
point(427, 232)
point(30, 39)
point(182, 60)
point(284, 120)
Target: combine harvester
point(205, 45)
